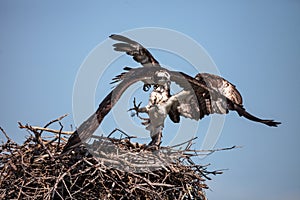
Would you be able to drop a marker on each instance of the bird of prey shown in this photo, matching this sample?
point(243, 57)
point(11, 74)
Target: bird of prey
point(161, 103)
point(202, 95)
point(212, 93)
point(159, 106)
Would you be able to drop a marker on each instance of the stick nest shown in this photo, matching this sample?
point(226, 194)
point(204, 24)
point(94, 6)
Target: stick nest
point(107, 168)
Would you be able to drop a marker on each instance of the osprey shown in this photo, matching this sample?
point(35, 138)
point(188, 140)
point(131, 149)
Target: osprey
point(202, 95)
point(161, 103)
point(213, 93)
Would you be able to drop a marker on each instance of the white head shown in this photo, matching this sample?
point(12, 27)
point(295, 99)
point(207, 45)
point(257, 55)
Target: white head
point(162, 78)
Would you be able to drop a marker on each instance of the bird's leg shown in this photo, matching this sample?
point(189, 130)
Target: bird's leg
point(138, 110)
point(156, 140)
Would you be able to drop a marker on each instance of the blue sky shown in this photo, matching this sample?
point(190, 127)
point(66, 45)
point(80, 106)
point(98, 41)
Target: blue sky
point(254, 44)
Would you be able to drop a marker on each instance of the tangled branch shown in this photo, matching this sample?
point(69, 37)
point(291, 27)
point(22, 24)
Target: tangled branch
point(106, 168)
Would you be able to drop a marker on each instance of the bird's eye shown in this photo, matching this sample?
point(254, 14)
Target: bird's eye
point(146, 87)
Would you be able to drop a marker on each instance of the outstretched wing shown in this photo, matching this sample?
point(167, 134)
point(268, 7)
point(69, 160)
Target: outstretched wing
point(221, 85)
point(208, 94)
point(214, 95)
point(88, 127)
point(139, 53)
point(202, 100)
point(188, 106)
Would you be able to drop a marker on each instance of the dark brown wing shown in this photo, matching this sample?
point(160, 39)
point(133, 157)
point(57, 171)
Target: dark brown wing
point(194, 106)
point(211, 99)
point(139, 53)
point(88, 127)
point(221, 85)
point(174, 113)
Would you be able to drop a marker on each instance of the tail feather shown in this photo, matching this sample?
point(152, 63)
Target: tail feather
point(242, 112)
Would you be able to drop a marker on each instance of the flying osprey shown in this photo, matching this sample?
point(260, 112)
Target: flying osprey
point(202, 95)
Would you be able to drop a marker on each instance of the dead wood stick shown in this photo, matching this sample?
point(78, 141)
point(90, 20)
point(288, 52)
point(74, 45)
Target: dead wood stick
point(198, 168)
point(117, 129)
point(3, 131)
point(59, 136)
point(55, 120)
point(143, 178)
point(148, 190)
point(60, 178)
point(211, 151)
point(180, 144)
point(70, 195)
point(158, 184)
point(44, 129)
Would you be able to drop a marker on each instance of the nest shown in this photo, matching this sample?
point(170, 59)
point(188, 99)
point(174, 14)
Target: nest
point(107, 168)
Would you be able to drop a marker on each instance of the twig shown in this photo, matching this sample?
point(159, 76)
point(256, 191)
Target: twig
point(3, 131)
point(209, 152)
point(116, 129)
point(37, 128)
point(180, 144)
point(55, 120)
point(59, 136)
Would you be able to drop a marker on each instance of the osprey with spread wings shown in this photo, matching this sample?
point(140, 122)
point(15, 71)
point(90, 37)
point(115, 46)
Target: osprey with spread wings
point(214, 94)
point(202, 95)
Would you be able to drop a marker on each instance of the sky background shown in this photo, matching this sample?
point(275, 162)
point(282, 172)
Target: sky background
point(254, 44)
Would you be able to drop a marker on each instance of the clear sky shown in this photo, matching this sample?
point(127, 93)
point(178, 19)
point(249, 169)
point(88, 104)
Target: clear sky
point(254, 44)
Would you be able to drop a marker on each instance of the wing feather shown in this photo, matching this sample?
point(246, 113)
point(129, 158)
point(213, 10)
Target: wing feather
point(139, 53)
point(221, 85)
point(211, 99)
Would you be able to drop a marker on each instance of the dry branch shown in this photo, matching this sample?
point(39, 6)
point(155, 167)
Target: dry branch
point(44, 129)
point(107, 168)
